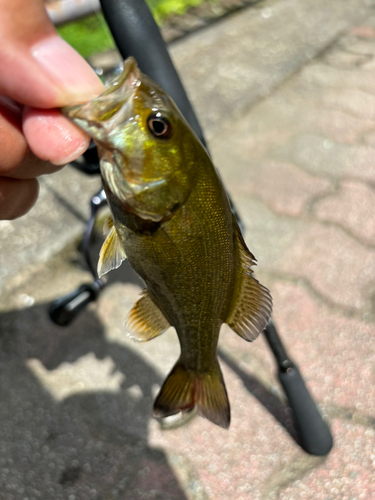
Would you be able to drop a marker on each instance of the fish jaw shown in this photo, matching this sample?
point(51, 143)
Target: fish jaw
point(102, 117)
point(130, 192)
point(100, 110)
point(111, 121)
point(149, 176)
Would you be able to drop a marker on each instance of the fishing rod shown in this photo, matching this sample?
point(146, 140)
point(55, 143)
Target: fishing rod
point(137, 34)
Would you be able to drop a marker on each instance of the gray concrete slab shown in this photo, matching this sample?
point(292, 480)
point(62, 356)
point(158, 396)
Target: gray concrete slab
point(59, 217)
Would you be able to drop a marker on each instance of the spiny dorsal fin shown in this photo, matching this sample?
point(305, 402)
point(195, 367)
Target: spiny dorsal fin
point(252, 302)
point(111, 254)
point(145, 321)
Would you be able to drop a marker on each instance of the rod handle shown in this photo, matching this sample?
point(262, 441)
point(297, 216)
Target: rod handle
point(315, 435)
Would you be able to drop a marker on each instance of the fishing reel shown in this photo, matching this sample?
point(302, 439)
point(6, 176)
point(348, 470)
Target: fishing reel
point(64, 310)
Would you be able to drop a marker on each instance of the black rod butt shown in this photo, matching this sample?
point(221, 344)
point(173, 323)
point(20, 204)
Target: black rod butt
point(315, 436)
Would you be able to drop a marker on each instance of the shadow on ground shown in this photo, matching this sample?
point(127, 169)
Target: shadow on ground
point(283, 414)
point(70, 430)
point(91, 444)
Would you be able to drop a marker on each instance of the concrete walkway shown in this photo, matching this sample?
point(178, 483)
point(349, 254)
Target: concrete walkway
point(286, 92)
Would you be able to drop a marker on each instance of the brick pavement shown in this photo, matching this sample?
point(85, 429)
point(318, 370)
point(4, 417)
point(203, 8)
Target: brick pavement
point(310, 176)
point(76, 424)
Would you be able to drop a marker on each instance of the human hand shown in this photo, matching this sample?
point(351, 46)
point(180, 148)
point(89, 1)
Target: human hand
point(39, 74)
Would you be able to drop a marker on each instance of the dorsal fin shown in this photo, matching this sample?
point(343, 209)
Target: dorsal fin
point(145, 321)
point(252, 303)
point(111, 254)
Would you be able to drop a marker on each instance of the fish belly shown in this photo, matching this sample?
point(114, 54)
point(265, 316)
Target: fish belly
point(188, 267)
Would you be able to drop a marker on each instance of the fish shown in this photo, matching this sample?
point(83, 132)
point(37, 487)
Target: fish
point(171, 218)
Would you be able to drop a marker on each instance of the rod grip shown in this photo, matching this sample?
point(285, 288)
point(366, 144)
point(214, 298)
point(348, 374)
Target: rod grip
point(315, 435)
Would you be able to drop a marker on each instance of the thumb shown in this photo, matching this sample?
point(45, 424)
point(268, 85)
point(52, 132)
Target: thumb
point(38, 68)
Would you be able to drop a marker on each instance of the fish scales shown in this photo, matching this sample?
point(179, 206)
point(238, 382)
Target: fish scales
point(188, 286)
point(172, 219)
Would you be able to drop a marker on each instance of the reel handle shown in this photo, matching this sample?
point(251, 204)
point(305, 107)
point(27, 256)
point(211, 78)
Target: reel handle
point(64, 310)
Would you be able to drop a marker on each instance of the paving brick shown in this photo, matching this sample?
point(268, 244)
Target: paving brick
point(369, 138)
point(338, 267)
point(363, 31)
point(352, 206)
point(336, 354)
point(319, 155)
point(310, 126)
point(235, 463)
point(282, 186)
point(351, 51)
point(345, 60)
point(356, 44)
point(326, 122)
point(58, 218)
point(334, 124)
point(360, 104)
point(345, 475)
point(327, 76)
point(92, 429)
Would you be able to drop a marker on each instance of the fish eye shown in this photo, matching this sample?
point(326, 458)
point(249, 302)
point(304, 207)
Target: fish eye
point(159, 126)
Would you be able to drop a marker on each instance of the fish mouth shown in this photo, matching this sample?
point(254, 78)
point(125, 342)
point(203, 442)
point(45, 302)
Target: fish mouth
point(106, 119)
point(129, 77)
point(102, 114)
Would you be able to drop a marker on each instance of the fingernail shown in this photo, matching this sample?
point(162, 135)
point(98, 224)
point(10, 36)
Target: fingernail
point(53, 137)
point(68, 142)
point(75, 79)
point(72, 153)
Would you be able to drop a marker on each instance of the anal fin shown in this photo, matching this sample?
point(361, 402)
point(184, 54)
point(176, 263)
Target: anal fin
point(145, 321)
point(252, 302)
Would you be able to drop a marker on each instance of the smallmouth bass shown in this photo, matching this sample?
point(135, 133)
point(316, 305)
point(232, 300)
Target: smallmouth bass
point(172, 219)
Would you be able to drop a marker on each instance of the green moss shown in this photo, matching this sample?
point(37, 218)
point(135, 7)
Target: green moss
point(164, 8)
point(91, 35)
point(88, 36)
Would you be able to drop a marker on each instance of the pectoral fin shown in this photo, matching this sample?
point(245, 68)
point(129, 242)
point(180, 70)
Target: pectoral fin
point(145, 321)
point(252, 303)
point(111, 254)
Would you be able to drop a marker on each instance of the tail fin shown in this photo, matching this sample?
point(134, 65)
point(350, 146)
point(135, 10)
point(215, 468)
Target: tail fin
point(184, 389)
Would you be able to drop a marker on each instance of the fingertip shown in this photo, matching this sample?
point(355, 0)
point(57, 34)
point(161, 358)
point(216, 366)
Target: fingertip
point(76, 82)
point(53, 137)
